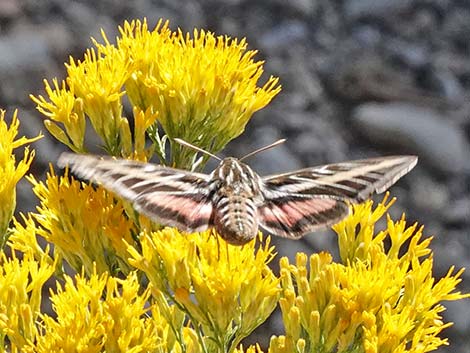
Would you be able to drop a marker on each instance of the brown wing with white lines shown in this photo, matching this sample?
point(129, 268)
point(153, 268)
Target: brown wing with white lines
point(302, 201)
point(168, 196)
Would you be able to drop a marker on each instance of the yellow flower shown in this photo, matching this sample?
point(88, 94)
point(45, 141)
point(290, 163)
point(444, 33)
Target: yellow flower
point(100, 314)
point(24, 238)
point(66, 108)
point(380, 299)
point(21, 285)
point(202, 88)
point(93, 89)
point(87, 226)
point(226, 290)
point(10, 171)
point(98, 82)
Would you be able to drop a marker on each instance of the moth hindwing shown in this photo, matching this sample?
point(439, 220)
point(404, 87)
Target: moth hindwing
point(235, 200)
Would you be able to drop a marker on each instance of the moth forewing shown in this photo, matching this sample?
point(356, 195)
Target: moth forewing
point(166, 195)
point(305, 200)
point(352, 180)
point(398, 167)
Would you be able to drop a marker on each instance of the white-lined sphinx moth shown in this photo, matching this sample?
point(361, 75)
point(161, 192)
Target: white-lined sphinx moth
point(235, 200)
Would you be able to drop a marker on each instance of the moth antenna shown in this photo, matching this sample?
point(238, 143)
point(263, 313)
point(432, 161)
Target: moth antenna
point(187, 144)
point(274, 144)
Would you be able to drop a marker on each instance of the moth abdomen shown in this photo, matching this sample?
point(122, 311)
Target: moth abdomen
point(236, 219)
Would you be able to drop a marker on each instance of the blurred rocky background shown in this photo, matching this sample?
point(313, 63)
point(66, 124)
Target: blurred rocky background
point(360, 78)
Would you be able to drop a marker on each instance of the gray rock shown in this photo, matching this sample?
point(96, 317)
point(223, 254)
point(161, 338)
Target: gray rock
point(356, 9)
point(276, 160)
point(417, 130)
point(302, 7)
point(87, 22)
point(367, 35)
point(458, 211)
point(415, 55)
point(23, 50)
point(427, 194)
point(25, 56)
point(284, 35)
point(459, 314)
point(450, 86)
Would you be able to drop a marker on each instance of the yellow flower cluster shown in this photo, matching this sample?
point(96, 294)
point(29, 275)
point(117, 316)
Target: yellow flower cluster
point(100, 314)
point(202, 88)
point(227, 291)
point(87, 226)
point(21, 283)
point(378, 299)
point(10, 171)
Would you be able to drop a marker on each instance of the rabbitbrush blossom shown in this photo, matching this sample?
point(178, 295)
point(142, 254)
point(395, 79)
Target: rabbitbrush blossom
point(227, 291)
point(119, 283)
point(11, 171)
point(21, 284)
point(378, 299)
point(201, 88)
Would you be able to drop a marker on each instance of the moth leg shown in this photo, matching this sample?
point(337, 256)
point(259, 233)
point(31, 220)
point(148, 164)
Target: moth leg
point(216, 236)
point(228, 255)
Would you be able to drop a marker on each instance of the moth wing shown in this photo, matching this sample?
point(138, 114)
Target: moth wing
point(168, 196)
point(354, 181)
point(292, 216)
point(190, 212)
point(310, 198)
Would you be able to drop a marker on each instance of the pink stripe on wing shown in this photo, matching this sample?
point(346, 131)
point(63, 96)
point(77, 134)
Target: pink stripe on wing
point(292, 211)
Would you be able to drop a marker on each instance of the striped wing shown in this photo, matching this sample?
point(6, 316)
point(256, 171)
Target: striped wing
point(168, 196)
point(303, 201)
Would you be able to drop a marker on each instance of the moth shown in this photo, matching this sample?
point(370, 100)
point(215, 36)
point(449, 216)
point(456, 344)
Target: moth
point(235, 200)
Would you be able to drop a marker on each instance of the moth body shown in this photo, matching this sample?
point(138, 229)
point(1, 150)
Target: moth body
point(237, 194)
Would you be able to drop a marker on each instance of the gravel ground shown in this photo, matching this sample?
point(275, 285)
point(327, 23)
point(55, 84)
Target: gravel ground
point(360, 78)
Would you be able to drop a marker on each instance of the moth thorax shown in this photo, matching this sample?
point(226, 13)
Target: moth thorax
point(236, 219)
point(231, 171)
